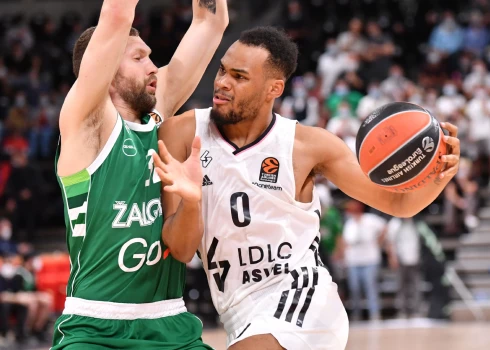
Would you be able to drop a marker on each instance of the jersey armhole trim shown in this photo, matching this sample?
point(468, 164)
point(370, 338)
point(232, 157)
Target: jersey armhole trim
point(92, 168)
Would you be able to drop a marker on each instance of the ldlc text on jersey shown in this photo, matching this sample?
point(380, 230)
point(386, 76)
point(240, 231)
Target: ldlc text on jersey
point(253, 255)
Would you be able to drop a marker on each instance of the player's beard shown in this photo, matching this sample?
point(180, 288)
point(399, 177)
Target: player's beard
point(135, 95)
point(245, 110)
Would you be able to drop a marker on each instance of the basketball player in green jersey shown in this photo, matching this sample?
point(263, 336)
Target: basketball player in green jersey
point(127, 267)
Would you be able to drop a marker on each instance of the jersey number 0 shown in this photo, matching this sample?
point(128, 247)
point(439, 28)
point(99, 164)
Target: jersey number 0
point(245, 218)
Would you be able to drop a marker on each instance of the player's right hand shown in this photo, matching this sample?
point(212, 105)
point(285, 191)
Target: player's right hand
point(182, 179)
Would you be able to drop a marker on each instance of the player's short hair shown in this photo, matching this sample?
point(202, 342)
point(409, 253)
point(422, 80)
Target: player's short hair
point(283, 52)
point(82, 43)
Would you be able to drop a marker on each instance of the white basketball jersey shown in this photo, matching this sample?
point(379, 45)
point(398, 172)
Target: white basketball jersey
point(255, 232)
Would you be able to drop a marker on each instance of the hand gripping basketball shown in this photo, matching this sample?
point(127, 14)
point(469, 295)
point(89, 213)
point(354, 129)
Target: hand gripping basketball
point(183, 179)
point(451, 159)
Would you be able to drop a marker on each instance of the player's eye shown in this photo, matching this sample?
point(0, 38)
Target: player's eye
point(221, 70)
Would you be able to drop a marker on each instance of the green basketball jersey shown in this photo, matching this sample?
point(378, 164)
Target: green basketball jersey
point(113, 216)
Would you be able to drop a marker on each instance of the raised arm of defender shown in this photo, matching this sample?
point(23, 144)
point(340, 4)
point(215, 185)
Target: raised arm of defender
point(328, 155)
point(178, 80)
point(88, 108)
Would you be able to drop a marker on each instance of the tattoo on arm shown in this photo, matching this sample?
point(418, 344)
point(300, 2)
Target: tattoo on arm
point(210, 5)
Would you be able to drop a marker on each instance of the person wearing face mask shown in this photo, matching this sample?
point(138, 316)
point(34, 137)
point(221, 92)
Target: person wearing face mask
point(478, 76)
point(478, 112)
point(447, 37)
point(451, 103)
point(476, 36)
point(342, 92)
point(396, 81)
point(373, 100)
point(332, 63)
point(302, 106)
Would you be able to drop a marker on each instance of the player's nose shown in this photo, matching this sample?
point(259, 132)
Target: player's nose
point(223, 82)
point(152, 69)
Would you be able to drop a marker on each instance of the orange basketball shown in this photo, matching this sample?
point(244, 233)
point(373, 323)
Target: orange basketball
point(399, 147)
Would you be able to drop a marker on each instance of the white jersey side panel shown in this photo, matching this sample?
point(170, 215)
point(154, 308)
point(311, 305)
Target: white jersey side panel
point(255, 232)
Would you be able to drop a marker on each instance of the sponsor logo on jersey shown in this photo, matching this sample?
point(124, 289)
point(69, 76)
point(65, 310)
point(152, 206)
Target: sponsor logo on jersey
point(132, 262)
point(254, 255)
point(144, 214)
point(267, 186)
point(269, 170)
point(275, 259)
point(206, 159)
point(213, 265)
point(129, 148)
point(157, 118)
point(206, 181)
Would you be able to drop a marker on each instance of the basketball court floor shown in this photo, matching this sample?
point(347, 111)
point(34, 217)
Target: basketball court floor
point(417, 334)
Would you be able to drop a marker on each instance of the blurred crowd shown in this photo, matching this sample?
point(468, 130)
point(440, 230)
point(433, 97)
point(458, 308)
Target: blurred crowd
point(355, 56)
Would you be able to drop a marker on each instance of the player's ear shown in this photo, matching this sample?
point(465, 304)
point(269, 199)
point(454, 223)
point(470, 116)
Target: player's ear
point(276, 89)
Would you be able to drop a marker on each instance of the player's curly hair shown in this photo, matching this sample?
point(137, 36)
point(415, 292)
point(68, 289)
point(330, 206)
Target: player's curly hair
point(283, 51)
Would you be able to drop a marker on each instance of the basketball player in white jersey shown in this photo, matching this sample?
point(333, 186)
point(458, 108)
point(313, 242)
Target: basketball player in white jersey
point(260, 209)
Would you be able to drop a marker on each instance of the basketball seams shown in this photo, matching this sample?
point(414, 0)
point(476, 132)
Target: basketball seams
point(400, 147)
point(423, 169)
point(385, 119)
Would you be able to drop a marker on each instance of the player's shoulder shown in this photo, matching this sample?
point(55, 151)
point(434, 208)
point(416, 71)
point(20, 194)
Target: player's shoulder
point(183, 121)
point(312, 137)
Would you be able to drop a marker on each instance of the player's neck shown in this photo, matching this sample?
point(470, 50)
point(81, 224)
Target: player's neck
point(247, 131)
point(127, 113)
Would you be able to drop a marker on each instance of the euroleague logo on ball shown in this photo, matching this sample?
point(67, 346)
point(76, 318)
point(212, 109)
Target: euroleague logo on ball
point(269, 170)
point(428, 144)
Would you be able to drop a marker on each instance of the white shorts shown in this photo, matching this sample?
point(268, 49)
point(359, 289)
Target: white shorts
point(303, 311)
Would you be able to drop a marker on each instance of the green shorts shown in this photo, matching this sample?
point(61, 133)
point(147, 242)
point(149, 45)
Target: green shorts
point(181, 331)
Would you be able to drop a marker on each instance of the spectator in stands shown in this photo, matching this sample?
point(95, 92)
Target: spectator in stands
point(450, 105)
point(476, 36)
point(22, 189)
point(342, 92)
point(378, 55)
point(345, 124)
point(479, 76)
point(7, 247)
point(404, 237)
point(447, 38)
point(373, 100)
point(478, 112)
point(44, 123)
point(396, 84)
point(332, 63)
point(461, 201)
point(39, 304)
point(9, 305)
point(352, 41)
point(434, 72)
point(363, 235)
point(301, 106)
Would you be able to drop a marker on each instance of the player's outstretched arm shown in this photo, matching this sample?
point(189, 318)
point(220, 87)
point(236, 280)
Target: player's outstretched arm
point(178, 80)
point(179, 167)
point(331, 157)
point(90, 93)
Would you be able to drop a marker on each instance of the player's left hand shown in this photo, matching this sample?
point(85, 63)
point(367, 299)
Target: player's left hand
point(183, 179)
point(453, 151)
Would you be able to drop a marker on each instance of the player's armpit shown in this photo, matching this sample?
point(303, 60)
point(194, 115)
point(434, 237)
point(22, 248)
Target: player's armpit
point(179, 79)
point(99, 65)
